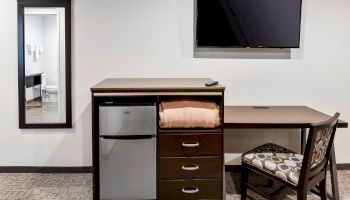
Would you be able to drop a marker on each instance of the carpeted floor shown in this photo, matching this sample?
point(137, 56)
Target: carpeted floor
point(78, 187)
point(28, 186)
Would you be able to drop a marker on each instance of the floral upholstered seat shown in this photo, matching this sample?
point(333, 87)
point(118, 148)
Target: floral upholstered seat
point(276, 160)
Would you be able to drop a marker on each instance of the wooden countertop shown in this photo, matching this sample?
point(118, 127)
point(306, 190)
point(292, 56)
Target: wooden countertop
point(155, 85)
point(33, 74)
point(274, 117)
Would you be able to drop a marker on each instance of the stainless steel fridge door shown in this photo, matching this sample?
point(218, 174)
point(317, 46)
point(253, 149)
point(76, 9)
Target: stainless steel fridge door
point(128, 169)
point(127, 120)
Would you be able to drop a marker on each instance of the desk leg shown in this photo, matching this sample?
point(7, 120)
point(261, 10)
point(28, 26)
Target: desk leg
point(334, 177)
point(302, 140)
point(41, 97)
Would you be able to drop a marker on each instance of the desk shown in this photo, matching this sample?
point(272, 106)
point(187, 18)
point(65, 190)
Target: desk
point(31, 81)
point(289, 117)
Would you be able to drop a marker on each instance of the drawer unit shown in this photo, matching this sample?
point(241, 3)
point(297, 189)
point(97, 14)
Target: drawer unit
point(190, 165)
point(190, 168)
point(190, 144)
point(190, 160)
point(190, 189)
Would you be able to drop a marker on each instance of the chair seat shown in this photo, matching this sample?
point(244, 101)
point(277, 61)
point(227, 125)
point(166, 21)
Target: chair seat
point(276, 160)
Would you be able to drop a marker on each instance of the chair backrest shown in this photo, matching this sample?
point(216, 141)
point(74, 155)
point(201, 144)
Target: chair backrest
point(318, 147)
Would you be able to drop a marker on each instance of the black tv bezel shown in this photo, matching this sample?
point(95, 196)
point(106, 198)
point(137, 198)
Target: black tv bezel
point(246, 47)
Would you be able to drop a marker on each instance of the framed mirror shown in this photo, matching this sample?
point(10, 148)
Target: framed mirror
point(44, 63)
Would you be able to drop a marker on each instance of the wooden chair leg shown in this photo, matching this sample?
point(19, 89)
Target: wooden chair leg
point(302, 194)
point(323, 191)
point(269, 183)
point(244, 181)
point(334, 177)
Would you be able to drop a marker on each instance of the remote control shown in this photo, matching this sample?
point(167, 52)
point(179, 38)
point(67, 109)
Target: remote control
point(211, 83)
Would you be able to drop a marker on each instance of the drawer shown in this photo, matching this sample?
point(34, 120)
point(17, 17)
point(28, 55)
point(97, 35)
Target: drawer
point(29, 81)
point(194, 189)
point(190, 168)
point(194, 144)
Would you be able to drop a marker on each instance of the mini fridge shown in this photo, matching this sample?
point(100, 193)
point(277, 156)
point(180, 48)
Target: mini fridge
point(127, 151)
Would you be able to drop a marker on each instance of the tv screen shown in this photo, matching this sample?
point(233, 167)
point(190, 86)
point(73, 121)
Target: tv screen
point(248, 23)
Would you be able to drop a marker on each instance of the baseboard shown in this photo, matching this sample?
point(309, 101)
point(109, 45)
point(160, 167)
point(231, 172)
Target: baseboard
point(233, 168)
point(343, 166)
point(237, 168)
point(31, 169)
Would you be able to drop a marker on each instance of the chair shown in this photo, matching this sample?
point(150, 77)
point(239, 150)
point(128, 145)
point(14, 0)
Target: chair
point(299, 172)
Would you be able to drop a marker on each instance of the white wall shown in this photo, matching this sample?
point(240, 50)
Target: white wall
point(154, 38)
point(62, 65)
point(51, 49)
point(34, 36)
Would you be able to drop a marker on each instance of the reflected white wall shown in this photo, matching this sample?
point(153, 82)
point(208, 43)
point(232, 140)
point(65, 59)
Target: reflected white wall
point(41, 52)
point(51, 50)
point(34, 37)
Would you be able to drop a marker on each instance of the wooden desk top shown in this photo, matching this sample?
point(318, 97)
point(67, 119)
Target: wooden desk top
point(156, 85)
point(35, 74)
point(273, 117)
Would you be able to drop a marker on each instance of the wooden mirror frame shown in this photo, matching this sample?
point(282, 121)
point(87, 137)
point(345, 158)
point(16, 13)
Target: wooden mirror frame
point(21, 4)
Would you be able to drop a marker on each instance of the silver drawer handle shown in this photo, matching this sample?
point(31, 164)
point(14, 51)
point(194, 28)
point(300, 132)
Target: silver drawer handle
point(191, 145)
point(190, 190)
point(190, 167)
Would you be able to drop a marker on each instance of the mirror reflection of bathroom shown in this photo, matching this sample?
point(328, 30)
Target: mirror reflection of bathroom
point(44, 41)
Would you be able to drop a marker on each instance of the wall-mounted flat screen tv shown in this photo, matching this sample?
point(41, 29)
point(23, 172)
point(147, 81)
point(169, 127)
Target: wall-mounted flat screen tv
point(248, 23)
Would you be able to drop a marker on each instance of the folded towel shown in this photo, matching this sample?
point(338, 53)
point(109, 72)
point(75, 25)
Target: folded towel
point(189, 114)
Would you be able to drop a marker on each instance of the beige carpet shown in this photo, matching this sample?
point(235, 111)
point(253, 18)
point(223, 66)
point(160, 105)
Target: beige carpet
point(78, 187)
point(28, 186)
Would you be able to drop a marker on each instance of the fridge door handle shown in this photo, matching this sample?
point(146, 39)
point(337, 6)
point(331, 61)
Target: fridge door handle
point(127, 137)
